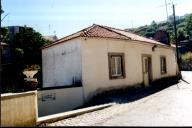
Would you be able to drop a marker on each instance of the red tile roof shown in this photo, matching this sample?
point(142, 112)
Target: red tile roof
point(105, 32)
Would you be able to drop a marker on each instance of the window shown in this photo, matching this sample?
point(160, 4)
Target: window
point(163, 65)
point(116, 65)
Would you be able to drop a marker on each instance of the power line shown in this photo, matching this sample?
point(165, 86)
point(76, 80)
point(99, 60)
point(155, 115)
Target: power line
point(5, 16)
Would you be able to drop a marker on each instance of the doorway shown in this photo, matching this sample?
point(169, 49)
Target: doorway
point(147, 69)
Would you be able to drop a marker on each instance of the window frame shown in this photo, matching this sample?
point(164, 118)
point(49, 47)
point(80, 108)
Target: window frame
point(162, 58)
point(122, 56)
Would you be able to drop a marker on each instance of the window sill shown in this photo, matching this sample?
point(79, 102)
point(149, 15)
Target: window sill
point(163, 73)
point(116, 77)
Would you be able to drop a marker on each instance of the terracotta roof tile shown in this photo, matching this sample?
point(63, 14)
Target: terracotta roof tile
point(105, 32)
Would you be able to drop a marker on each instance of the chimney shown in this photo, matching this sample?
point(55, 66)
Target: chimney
point(162, 36)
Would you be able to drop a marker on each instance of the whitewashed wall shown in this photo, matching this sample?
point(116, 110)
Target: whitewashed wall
point(59, 100)
point(62, 64)
point(95, 70)
point(87, 59)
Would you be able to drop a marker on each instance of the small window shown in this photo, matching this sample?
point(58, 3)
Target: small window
point(163, 65)
point(116, 65)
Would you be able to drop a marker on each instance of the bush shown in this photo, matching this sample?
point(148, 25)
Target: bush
point(187, 56)
point(186, 63)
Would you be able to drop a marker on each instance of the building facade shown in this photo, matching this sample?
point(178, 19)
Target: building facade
point(101, 58)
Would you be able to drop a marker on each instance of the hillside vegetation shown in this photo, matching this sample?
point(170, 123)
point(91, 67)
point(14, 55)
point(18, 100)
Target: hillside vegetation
point(184, 28)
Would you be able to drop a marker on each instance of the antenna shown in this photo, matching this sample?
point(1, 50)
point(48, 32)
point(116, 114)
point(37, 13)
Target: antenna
point(166, 9)
point(132, 24)
point(49, 28)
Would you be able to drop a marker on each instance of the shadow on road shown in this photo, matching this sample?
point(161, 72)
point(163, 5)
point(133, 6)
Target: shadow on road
point(131, 94)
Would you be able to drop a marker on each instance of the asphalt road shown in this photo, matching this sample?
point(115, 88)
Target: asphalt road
point(169, 107)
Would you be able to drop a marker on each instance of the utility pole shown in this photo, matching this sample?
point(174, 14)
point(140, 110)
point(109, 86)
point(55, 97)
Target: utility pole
point(0, 53)
point(176, 42)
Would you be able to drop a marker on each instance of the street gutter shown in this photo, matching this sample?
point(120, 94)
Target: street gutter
point(64, 115)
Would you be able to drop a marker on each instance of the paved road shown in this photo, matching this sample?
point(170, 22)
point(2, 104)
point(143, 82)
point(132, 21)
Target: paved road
point(169, 107)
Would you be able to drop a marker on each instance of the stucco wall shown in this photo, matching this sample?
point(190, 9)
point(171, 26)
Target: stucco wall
point(19, 109)
point(59, 100)
point(95, 70)
point(62, 64)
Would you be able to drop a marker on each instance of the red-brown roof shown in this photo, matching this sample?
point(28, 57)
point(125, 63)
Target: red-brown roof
point(105, 32)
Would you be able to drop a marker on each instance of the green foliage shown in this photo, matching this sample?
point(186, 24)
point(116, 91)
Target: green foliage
point(183, 23)
point(186, 63)
point(32, 67)
point(4, 35)
point(2, 10)
point(187, 56)
point(189, 25)
point(26, 51)
point(181, 34)
point(27, 44)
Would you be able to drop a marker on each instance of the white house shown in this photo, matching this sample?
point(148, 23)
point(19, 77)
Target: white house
point(101, 58)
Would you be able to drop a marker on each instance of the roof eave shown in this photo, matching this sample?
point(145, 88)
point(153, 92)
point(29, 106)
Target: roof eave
point(57, 42)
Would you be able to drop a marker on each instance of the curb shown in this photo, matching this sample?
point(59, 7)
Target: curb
point(60, 116)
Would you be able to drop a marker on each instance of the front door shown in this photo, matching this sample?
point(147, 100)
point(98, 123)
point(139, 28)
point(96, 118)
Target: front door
point(146, 62)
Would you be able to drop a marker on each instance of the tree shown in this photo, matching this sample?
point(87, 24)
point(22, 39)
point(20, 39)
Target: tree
point(4, 35)
point(154, 25)
point(184, 26)
point(189, 25)
point(26, 45)
point(2, 10)
point(181, 35)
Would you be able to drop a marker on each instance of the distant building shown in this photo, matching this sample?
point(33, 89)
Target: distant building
point(51, 38)
point(185, 46)
point(162, 36)
point(12, 30)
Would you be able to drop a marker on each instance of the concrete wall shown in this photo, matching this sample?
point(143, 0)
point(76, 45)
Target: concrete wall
point(95, 70)
point(19, 109)
point(62, 64)
point(59, 100)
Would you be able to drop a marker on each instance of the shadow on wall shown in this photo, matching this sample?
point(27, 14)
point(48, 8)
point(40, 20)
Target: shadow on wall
point(130, 94)
point(76, 81)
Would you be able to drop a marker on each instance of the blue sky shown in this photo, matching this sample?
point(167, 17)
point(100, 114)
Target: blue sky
point(68, 16)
